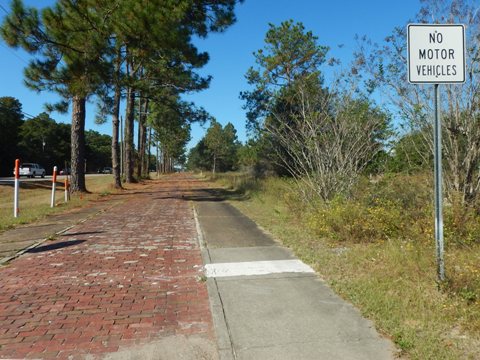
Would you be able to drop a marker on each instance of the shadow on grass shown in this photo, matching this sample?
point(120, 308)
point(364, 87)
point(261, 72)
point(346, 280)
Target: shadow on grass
point(56, 246)
point(32, 185)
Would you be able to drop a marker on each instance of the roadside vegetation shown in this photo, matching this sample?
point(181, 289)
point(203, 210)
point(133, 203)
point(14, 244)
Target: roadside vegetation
point(339, 167)
point(376, 250)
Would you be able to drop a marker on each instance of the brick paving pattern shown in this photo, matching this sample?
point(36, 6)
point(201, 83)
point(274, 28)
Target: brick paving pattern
point(125, 277)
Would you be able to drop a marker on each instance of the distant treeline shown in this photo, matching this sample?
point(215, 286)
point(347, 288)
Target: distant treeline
point(40, 139)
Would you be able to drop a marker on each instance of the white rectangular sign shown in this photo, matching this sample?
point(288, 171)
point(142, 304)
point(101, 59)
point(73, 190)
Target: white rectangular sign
point(436, 53)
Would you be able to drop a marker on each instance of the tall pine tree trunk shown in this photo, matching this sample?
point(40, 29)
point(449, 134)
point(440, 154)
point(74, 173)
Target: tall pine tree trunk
point(77, 139)
point(129, 146)
point(115, 143)
point(157, 165)
point(164, 161)
point(142, 136)
point(143, 139)
point(147, 159)
point(139, 137)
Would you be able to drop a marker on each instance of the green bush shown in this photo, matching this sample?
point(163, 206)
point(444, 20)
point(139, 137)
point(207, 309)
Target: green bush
point(393, 206)
point(399, 206)
point(461, 225)
point(350, 220)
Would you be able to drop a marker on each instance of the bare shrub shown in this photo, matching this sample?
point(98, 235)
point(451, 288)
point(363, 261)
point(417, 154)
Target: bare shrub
point(327, 141)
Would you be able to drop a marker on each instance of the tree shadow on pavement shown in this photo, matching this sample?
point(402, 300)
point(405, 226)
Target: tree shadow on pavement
point(56, 246)
point(82, 233)
point(206, 194)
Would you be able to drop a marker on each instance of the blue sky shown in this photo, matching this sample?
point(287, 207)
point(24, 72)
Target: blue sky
point(333, 22)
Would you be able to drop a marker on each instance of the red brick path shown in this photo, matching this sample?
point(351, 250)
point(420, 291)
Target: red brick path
point(127, 276)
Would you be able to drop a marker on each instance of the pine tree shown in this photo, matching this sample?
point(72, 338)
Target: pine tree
point(222, 145)
point(68, 41)
point(159, 52)
point(171, 118)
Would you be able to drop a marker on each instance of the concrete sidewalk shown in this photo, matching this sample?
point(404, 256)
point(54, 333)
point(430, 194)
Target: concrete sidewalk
point(268, 305)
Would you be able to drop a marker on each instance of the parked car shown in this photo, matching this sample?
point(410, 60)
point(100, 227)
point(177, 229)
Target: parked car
point(107, 170)
point(31, 170)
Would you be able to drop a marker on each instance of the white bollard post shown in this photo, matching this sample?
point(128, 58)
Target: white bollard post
point(16, 188)
point(54, 186)
point(67, 193)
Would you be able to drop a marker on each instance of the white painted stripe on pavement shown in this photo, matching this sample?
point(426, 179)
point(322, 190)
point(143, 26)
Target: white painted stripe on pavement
point(256, 268)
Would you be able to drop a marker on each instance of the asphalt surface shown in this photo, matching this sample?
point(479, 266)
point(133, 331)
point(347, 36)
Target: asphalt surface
point(267, 304)
point(9, 180)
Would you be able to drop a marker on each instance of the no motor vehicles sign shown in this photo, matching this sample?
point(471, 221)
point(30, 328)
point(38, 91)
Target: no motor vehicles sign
point(436, 54)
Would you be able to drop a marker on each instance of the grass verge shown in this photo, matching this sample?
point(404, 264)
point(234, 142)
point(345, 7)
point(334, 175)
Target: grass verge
point(391, 280)
point(35, 197)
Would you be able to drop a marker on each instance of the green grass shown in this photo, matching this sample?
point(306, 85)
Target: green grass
point(392, 280)
point(34, 199)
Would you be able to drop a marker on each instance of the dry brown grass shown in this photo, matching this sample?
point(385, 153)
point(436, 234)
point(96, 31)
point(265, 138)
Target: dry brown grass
point(34, 199)
point(391, 281)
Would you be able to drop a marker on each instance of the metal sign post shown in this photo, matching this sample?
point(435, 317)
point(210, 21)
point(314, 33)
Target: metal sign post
point(438, 187)
point(436, 55)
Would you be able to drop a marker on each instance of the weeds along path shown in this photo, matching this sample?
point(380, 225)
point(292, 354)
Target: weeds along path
point(129, 276)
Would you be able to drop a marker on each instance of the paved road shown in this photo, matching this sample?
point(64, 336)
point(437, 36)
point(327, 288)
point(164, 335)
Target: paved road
point(9, 180)
point(269, 305)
